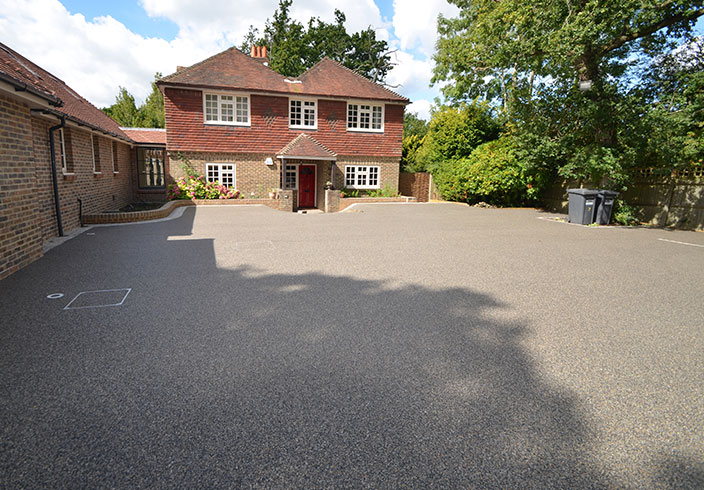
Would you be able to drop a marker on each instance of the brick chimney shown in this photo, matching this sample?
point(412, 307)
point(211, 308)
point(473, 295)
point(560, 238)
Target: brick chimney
point(259, 53)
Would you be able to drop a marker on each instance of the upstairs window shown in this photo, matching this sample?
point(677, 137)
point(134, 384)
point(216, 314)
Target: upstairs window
point(362, 177)
point(303, 114)
point(226, 109)
point(365, 117)
point(222, 173)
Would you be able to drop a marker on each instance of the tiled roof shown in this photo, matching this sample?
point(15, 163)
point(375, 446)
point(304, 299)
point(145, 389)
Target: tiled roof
point(19, 71)
point(233, 69)
point(304, 146)
point(154, 136)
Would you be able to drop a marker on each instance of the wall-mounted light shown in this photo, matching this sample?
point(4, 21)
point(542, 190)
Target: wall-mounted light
point(269, 161)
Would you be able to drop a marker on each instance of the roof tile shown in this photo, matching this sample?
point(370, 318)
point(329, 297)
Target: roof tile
point(304, 146)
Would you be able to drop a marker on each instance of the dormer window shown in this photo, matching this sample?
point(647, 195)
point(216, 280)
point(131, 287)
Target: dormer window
point(303, 114)
point(229, 109)
point(365, 117)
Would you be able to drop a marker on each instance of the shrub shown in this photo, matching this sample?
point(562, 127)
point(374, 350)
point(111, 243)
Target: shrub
point(387, 191)
point(491, 173)
point(623, 214)
point(196, 187)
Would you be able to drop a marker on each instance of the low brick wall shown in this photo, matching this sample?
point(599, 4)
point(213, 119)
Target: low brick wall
point(168, 208)
point(349, 201)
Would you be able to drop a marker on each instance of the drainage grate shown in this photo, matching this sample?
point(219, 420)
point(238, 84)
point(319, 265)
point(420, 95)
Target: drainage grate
point(98, 299)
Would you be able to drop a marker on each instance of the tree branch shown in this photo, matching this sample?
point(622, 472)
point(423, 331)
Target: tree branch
point(646, 31)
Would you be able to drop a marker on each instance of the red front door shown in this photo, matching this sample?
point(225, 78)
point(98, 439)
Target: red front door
point(306, 186)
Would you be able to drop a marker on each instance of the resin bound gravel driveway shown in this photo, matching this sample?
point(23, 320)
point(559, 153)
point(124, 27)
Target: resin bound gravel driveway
point(391, 346)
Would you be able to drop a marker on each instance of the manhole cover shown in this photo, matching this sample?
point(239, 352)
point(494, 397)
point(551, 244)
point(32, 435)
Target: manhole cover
point(98, 299)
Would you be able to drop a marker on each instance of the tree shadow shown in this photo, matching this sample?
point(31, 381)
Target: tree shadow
point(212, 377)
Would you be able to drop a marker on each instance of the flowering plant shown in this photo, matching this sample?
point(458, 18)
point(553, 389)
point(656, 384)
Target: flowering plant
point(196, 187)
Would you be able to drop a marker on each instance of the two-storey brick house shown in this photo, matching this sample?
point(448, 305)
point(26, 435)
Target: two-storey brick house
point(237, 121)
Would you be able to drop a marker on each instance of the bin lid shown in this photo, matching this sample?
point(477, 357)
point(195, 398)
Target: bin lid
point(583, 192)
point(605, 193)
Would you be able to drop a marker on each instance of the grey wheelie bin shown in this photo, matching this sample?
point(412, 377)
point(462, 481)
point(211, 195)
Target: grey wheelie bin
point(582, 205)
point(604, 206)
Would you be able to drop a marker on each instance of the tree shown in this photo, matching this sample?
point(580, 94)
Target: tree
point(294, 47)
point(413, 125)
point(151, 113)
point(573, 60)
point(124, 111)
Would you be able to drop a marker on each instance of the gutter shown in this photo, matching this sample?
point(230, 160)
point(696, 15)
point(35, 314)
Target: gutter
point(23, 87)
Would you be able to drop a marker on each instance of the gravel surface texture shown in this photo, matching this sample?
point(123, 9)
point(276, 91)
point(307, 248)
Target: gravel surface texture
point(391, 346)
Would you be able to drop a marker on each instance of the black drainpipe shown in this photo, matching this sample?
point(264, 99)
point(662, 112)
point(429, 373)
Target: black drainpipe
point(59, 224)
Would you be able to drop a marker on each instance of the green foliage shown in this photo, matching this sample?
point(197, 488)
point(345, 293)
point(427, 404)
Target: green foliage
point(624, 214)
point(410, 146)
point(453, 133)
point(492, 173)
point(387, 191)
point(345, 192)
point(124, 111)
point(532, 59)
point(295, 47)
point(149, 115)
point(414, 126)
point(194, 186)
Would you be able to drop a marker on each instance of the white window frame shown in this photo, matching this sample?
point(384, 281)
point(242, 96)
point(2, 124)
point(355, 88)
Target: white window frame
point(62, 148)
point(302, 101)
point(371, 105)
point(92, 153)
point(357, 173)
point(219, 169)
point(234, 122)
point(295, 175)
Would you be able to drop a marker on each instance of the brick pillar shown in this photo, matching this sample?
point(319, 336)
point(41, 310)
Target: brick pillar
point(287, 201)
point(332, 201)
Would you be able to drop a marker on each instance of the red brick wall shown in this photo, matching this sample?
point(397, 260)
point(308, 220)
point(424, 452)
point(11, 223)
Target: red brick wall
point(269, 130)
point(20, 233)
point(27, 212)
point(99, 192)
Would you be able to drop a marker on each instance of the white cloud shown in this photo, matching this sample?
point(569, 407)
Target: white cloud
point(96, 56)
point(415, 23)
point(421, 107)
point(410, 74)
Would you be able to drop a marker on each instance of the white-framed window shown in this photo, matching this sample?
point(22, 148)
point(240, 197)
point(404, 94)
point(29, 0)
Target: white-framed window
point(290, 177)
point(365, 117)
point(222, 173)
point(62, 148)
point(303, 113)
point(226, 109)
point(95, 152)
point(362, 176)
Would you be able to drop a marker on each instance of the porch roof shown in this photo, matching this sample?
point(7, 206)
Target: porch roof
point(306, 148)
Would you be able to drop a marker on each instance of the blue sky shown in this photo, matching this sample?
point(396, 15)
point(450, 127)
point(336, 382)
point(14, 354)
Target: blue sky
point(105, 45)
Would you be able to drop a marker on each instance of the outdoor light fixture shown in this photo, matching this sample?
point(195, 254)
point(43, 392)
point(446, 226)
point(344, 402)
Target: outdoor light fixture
point(269, 161)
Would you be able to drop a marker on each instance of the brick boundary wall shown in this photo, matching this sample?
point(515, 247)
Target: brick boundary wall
point(415, 184)
point(349, 201)
point(168, 208)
